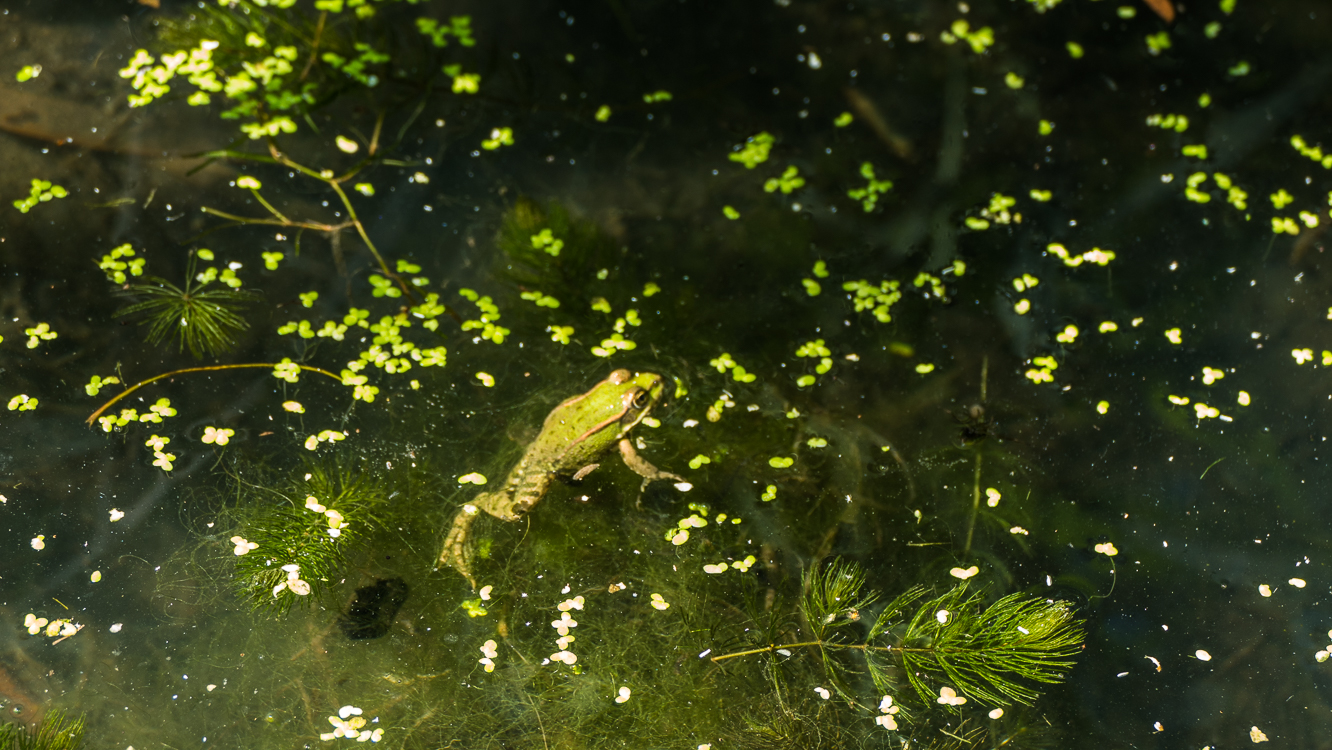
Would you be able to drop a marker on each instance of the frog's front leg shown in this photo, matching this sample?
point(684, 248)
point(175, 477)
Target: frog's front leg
point(643, 468)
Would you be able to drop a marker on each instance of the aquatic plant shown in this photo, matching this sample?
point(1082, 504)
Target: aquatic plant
point(55, 732)
point(952, 642)
point(205, 321)
point(289, 539)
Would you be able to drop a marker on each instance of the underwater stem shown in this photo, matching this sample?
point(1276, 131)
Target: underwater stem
point(314, 45)
point(975, 507)
point(353, 220)
point(283, 222)
point(209, 368)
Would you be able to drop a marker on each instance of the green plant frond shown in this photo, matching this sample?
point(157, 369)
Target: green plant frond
point(292, 532)
point(204, 322)
point(55, 732)
point(833, 596)
point(894, 610)
point(990, 654)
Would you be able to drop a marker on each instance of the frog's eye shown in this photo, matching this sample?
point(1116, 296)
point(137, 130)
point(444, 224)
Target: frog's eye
point(640, 399)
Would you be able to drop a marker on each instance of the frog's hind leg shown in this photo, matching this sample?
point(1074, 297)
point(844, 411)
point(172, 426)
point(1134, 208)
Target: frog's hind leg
point(457, 552)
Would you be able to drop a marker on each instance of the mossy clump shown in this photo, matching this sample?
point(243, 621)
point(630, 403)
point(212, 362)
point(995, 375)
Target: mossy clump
point(55, 732)
point(289, 551)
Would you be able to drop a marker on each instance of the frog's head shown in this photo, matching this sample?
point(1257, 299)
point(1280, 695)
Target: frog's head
point(597, 419)
point(637, 393)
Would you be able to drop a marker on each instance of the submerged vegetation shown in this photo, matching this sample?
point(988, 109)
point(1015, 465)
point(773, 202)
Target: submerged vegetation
point(56, 731)
point(289, 539)
point(204, 321)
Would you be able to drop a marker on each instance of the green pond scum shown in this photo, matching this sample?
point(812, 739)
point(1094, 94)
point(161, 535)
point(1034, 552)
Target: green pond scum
point(997, 332)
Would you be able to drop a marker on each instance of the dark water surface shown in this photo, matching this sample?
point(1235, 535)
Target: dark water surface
point(1097, 325)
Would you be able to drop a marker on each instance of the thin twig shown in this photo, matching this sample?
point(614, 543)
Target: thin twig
point(209, 368)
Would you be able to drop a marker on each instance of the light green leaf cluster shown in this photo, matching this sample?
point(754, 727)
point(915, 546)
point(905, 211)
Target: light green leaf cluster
point(22, 402)
point(97, 383)
point(27, 73)
point(1312, 152)
point(302, 329)
point(490, 330)
point(257, 86)
point(362, 8)
point(115, 268)
point(463, 83)
point(1234, 195)
point(1284, 224)
point(560, 334)
point(546, 240)
point(724, 362)
point(41, 192)
point(459, 27)
point(934, 282)
point(1191, 190)
point(997, 211)
point(355, 67)
point(125, 417)
point(429, 311)
point(210, 274)
point(616, 342)
point(789, 182)
point(287, 370)
point(980, 40)
point(1158, 42)
point(1095, 255)
point(1042, 370)
point(540, 300)
point(383, 287)
point(869, 195)
point(498, 137)
point(815, 349)
point(657, 96)
point(878, 299)
point(39, 333)
point(755, 150)
point(1177, 123)
point(1043, 5)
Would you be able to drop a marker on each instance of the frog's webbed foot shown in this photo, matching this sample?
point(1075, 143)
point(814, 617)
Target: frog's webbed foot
point(643, 468)
point(457, 552)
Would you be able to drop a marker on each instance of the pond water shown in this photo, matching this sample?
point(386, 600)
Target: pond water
point(983, 345)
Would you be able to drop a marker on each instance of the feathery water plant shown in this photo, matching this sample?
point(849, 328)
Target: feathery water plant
point(205, 321)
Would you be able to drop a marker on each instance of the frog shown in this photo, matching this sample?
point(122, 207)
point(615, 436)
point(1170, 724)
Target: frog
point(573, 438)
